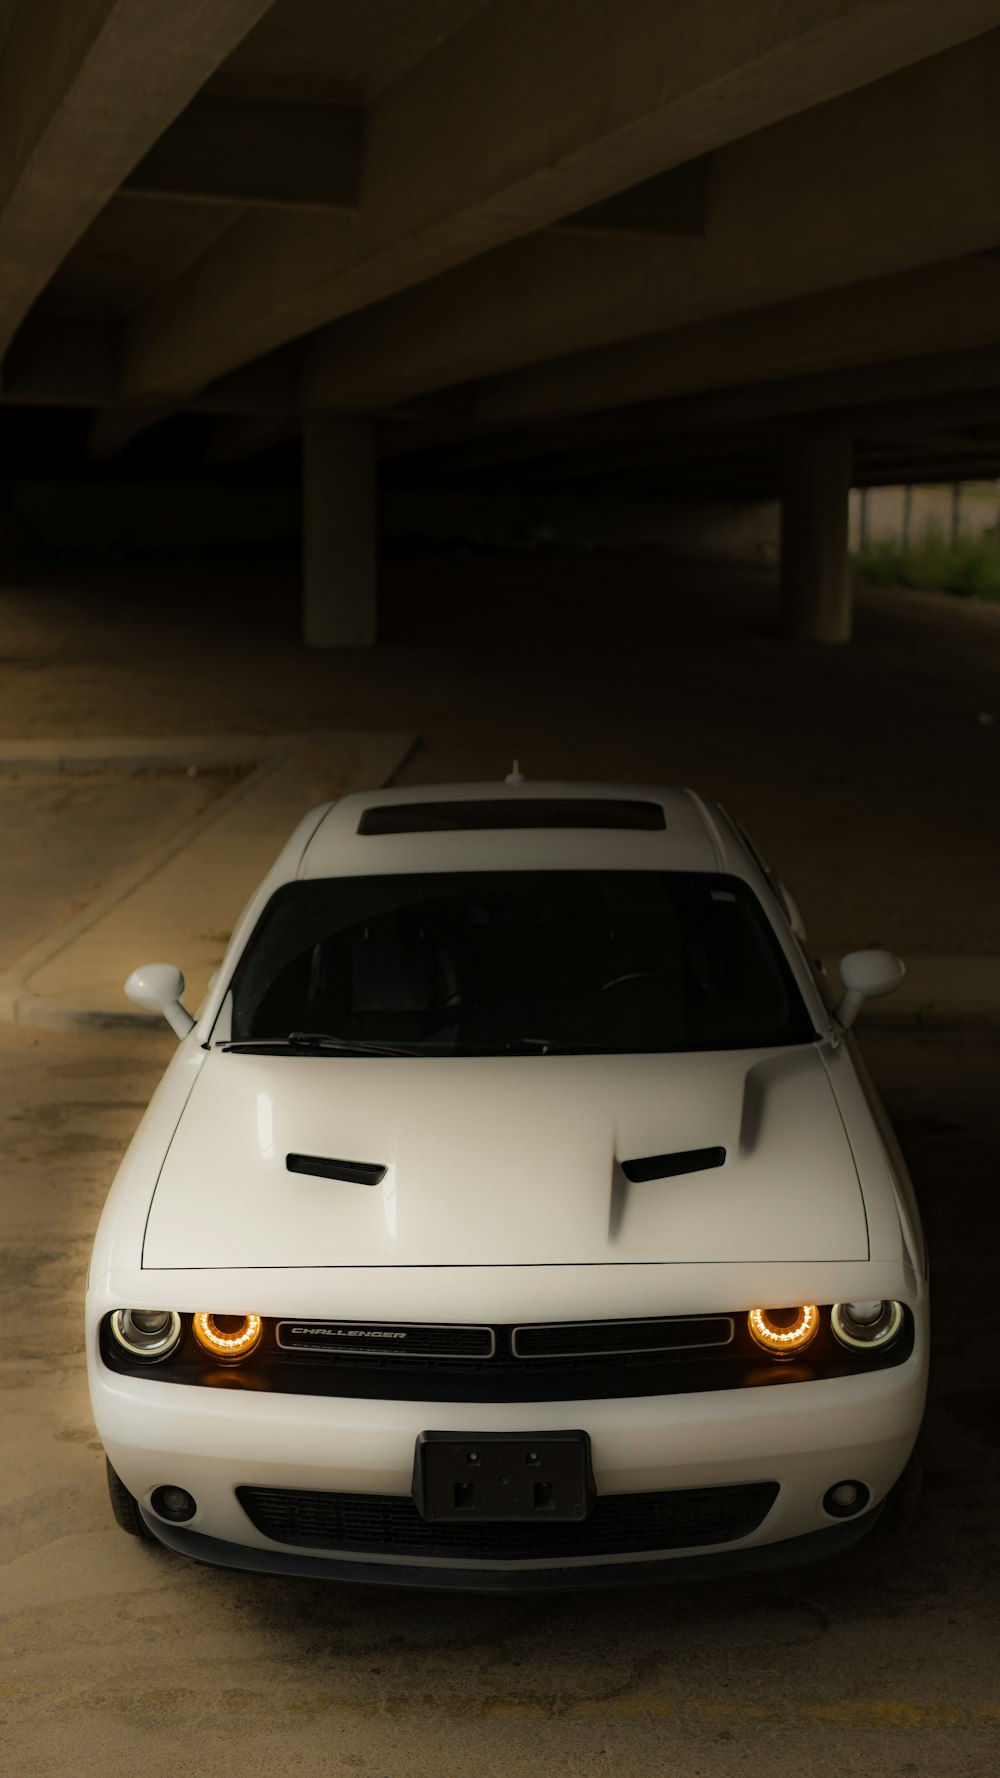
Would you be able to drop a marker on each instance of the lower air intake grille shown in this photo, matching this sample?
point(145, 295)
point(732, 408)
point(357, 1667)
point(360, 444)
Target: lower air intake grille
point(608, 1339)
point(389, 1524)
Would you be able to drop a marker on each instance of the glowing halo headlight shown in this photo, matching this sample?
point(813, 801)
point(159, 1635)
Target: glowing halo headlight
point(227, 1337)
point(866, 1327)
point(784, 1332)
point(146, 1333)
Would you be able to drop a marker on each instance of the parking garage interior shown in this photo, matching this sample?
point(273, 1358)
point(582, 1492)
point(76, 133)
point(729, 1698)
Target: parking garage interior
point(464, 381)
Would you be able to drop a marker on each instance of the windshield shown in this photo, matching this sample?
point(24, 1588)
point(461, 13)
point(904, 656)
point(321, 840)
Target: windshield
point(502, 962)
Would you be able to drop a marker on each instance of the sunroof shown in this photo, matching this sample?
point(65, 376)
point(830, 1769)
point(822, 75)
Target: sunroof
point(459, 817)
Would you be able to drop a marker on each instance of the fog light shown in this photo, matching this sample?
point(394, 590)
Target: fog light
point(845, 1499)
point(227, 1337)
point(146, 1333)
point(783, 1332)
point(172, 1503)
point(863, 1326)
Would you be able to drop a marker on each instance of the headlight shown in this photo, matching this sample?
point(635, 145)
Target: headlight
point(783, 1332)
point(864, 1326)
point(146, 1333)
point(227, 1337)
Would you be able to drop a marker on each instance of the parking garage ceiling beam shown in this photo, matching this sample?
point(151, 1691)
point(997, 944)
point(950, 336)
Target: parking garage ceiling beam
point(279, 155)
point(86, 87)
point(757, 476)
point(917, 435)
point(672, 203)
point(114, 429)
point(236, 439)
point(906, 315)
point(959, 384)
point(72, 361)
point(527, 114)
point(902, 173)
point(889, 341)
point(963, 384)
point(6, 14)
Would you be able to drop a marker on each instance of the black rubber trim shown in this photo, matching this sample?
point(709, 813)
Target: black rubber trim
point(464, 817)
point(669, 1166)
point(354, 1172)
point(815, 1546)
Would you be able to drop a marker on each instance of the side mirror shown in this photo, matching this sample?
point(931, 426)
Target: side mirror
point(157, 987)
point(866, 975)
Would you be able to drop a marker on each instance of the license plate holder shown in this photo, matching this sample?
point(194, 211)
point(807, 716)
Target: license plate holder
point(525, 1477)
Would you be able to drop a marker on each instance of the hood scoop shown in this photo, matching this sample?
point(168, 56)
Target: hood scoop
point(354, 1172)
point(671, 1166)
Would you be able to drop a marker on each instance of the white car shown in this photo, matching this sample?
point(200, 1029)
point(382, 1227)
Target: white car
point(515, 1213)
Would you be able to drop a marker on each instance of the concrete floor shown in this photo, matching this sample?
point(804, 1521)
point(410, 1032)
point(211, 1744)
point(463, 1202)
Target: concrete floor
point(65, 837)
point(869, 776)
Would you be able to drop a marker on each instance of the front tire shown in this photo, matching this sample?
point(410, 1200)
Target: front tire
point(125, 1506)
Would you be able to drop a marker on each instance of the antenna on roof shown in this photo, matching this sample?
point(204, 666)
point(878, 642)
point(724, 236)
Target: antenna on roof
point(515, 777)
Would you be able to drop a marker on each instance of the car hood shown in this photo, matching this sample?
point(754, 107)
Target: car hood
point(507, 1161)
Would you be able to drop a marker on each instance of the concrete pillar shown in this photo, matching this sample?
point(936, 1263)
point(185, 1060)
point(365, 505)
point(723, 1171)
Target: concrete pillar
point(816, 572)
point(338, 545)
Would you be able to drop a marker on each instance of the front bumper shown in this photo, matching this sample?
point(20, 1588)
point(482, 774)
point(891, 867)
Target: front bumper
point(497, 1577)
point(805, 1437)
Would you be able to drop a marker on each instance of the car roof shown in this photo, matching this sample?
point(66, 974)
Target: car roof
point(525, 826)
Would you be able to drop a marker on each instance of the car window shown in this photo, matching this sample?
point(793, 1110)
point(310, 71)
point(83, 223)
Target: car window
point(493, 962)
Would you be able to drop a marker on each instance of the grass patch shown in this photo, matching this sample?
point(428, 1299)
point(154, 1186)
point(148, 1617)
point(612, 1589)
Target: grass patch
point(970, 566)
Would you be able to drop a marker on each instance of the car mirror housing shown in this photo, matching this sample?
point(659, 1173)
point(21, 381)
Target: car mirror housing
point(866, 975)
point(157, 987)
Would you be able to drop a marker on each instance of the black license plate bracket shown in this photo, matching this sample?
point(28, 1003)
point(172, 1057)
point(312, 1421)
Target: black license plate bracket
point(509, 1476)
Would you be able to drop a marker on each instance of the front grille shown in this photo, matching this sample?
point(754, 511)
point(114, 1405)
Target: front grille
point(385, 1340)
point(618, 1524)
point(570, 1343)
point(598, 1339)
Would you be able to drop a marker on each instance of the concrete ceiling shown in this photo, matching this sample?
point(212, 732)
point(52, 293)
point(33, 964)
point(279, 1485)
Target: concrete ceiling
point(338, 51)
point(496, 225)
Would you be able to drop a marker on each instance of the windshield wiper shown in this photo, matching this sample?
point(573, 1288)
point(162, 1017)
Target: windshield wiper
point(311, 1042)
point(355, 1046)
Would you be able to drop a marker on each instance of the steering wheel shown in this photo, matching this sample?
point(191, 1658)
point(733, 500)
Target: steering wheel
point(636, 975)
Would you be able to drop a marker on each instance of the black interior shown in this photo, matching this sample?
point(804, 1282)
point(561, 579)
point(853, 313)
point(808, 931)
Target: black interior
point(520, 962)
